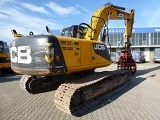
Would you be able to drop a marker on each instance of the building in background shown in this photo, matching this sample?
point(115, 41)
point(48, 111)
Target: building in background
point(143, 39)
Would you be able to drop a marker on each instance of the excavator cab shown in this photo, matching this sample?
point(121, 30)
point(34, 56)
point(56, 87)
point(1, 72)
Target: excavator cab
point(75, 31)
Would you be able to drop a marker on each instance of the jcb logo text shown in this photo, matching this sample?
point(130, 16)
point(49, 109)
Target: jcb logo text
point(99, 47)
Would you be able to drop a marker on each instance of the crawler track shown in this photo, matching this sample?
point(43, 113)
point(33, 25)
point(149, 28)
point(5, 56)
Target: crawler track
point(71, 95)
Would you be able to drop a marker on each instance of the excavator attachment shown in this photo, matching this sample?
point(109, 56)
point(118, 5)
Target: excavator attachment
point(126, 61)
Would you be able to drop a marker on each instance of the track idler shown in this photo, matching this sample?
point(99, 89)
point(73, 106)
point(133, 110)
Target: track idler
point(31, 84)
point(36, 84)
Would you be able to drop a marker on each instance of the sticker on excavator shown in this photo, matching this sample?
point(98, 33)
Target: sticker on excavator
point(120, 15)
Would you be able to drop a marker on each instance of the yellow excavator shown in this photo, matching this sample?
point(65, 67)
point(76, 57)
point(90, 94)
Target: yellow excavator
point(70, 60)
point(5, 64)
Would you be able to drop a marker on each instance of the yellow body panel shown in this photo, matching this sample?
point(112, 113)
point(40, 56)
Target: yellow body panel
point(4, 54)
point(79, 54)
point(86, 48)
point(5, 64)
point(87, 67)
point(71, 51)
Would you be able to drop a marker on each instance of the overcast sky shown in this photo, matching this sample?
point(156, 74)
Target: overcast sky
point(34, 15)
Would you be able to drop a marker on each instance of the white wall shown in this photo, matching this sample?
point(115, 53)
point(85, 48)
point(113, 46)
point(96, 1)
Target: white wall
point(147, 53)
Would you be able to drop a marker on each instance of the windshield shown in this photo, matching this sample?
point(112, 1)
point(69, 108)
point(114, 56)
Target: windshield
point(65, 33)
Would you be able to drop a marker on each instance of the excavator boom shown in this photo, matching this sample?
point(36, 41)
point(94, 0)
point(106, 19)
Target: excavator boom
point(106, 13)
